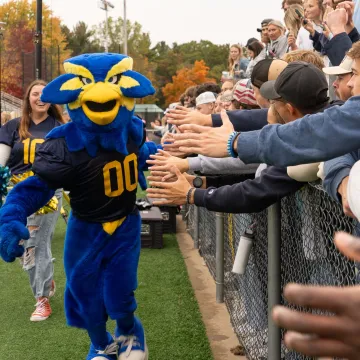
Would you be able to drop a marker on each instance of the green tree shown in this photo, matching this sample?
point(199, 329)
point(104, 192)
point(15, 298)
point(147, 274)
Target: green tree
point(138, 41)
point(81, 39)
point(18, 58)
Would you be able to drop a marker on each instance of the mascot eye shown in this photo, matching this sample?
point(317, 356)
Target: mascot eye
point(115, 79)
point(85, 81)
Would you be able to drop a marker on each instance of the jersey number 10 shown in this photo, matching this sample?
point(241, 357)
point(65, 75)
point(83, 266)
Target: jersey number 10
point(30, 149)
point(130, 180)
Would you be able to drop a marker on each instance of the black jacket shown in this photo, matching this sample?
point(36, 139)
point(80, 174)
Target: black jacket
point(251, 195)
point(244, 120)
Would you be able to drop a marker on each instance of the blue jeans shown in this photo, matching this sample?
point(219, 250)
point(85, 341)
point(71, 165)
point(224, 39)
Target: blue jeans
point(37, 258)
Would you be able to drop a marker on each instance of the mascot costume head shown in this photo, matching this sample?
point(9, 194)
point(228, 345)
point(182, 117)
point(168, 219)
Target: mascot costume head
point(100, 91)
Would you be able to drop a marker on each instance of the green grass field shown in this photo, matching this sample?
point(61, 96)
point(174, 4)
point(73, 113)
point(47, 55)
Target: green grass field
point(167, 307)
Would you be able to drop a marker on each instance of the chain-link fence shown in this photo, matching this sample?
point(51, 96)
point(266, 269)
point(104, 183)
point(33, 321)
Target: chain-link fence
point(309, 220)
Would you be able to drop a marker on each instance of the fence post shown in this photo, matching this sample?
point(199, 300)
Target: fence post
point(196, 227)
point(220, 257)
point(274, 278)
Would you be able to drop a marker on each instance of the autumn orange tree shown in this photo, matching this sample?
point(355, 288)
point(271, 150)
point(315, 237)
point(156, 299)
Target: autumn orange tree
point(18, 46)
point(184, 78)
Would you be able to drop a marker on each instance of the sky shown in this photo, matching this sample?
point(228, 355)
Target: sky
point(220, 21)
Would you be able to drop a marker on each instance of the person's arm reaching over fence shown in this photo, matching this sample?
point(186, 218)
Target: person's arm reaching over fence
point(316, 137)
point(208, 165)
point(335, 170)
point(251, 195)
point(203, 164)
point(243, 120)
point(246, 197)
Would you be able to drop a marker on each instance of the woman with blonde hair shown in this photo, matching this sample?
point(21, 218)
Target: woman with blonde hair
point(298, 37)
point(237, 63)
point(305, 55)
point(19, 139)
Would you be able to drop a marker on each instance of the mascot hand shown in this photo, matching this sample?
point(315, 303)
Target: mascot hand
point(10, 236)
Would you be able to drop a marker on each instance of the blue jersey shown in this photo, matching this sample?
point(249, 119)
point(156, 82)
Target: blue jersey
point(102, 188)
point(23, 152)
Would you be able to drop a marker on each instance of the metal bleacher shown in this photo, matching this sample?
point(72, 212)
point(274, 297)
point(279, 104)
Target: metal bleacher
point(10, 103)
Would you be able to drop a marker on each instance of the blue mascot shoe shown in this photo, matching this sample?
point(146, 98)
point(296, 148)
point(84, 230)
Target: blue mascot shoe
point(133, 347)
point(110, 352)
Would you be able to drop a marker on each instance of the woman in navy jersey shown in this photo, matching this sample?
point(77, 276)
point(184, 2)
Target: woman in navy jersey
point(18, 141)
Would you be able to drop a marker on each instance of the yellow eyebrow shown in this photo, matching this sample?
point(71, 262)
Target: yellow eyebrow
point(72, 84)
point(120, 67)
point(127, 82)
point(78, 70)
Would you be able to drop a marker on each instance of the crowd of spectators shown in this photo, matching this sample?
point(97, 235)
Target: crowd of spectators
point(285, 114)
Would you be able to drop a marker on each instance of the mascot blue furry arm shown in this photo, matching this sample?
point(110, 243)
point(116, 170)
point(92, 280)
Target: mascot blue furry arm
point(98, 157)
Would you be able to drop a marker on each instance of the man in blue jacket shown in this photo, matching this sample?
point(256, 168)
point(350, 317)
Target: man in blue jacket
point(336, 171)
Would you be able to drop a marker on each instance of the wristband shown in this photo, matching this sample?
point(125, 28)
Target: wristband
point(188, 195)
point(230, 144)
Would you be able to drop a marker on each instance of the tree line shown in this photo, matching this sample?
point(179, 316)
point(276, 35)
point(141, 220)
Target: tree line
point(171, 68)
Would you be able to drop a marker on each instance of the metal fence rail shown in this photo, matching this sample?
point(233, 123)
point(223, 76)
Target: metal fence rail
point(309, 219)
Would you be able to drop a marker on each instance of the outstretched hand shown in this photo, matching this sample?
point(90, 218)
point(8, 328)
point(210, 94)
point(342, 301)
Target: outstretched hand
point(182, 115)
point(170, 192)
point(212, 142)
point(163, 159)
point(324, 335)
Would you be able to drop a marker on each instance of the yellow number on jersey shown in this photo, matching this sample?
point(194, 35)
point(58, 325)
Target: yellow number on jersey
point(116, 165)
point(30, 149)
point(130, 186)
point(119, 178)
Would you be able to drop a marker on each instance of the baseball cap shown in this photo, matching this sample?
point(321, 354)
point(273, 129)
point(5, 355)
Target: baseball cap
point(277, 23)
point(301, 84)
point(227, 96)
point(344, 68)
point(267, 69)
point(264, 22)
point(243, 94)
point(205, 98)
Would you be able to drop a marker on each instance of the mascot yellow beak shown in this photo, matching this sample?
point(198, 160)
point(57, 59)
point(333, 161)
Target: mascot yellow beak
point(101, 103)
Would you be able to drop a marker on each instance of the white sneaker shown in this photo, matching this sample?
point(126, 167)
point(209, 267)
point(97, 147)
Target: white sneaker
point(106, 354)
point(131, 349)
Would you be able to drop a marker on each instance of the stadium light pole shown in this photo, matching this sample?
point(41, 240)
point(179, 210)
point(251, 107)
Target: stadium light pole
point(38, 39)
point(104, 5)
point(125, 30)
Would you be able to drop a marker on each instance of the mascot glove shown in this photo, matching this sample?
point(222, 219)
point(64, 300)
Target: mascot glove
point(11, 234)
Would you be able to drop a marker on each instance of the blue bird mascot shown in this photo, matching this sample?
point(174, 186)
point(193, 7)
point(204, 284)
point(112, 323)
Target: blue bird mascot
point(98, 157)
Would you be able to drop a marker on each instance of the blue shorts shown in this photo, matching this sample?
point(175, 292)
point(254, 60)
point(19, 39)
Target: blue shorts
point(101, 271)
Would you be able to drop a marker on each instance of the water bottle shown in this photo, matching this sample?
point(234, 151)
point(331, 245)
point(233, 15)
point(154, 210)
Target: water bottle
point(243, 252)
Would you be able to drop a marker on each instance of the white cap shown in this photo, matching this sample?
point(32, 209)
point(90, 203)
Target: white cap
point(353, 190)
point(205, 98)
point(344, 68)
